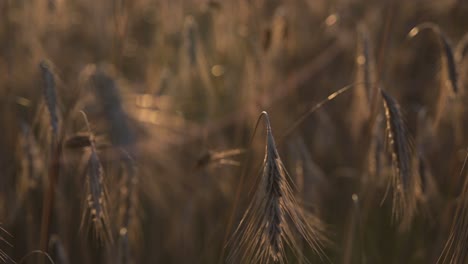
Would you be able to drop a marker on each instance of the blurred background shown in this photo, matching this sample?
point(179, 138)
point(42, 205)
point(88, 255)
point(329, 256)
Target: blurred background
point(171, 91)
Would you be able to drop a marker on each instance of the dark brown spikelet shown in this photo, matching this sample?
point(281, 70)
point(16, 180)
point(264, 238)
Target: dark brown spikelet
point(274, 222)
point(455, 250)
point(449, 70)
point(96, 198)
point(400, 151)
point(127, 209)
point(108, 95)
point(449, 66)
point(50, 94)
point(96, 194)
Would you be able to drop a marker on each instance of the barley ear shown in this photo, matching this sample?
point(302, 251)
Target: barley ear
point(50, 95)
point(449, 67)
point(96, 213)
point(274, 222)
point(400, 151)
point(449, 70)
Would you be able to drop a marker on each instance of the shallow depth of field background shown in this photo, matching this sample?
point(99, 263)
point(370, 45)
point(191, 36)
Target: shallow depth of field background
point(185, 82)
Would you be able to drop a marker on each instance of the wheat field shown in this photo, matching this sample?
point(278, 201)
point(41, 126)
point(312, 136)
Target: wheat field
point(241, 132)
